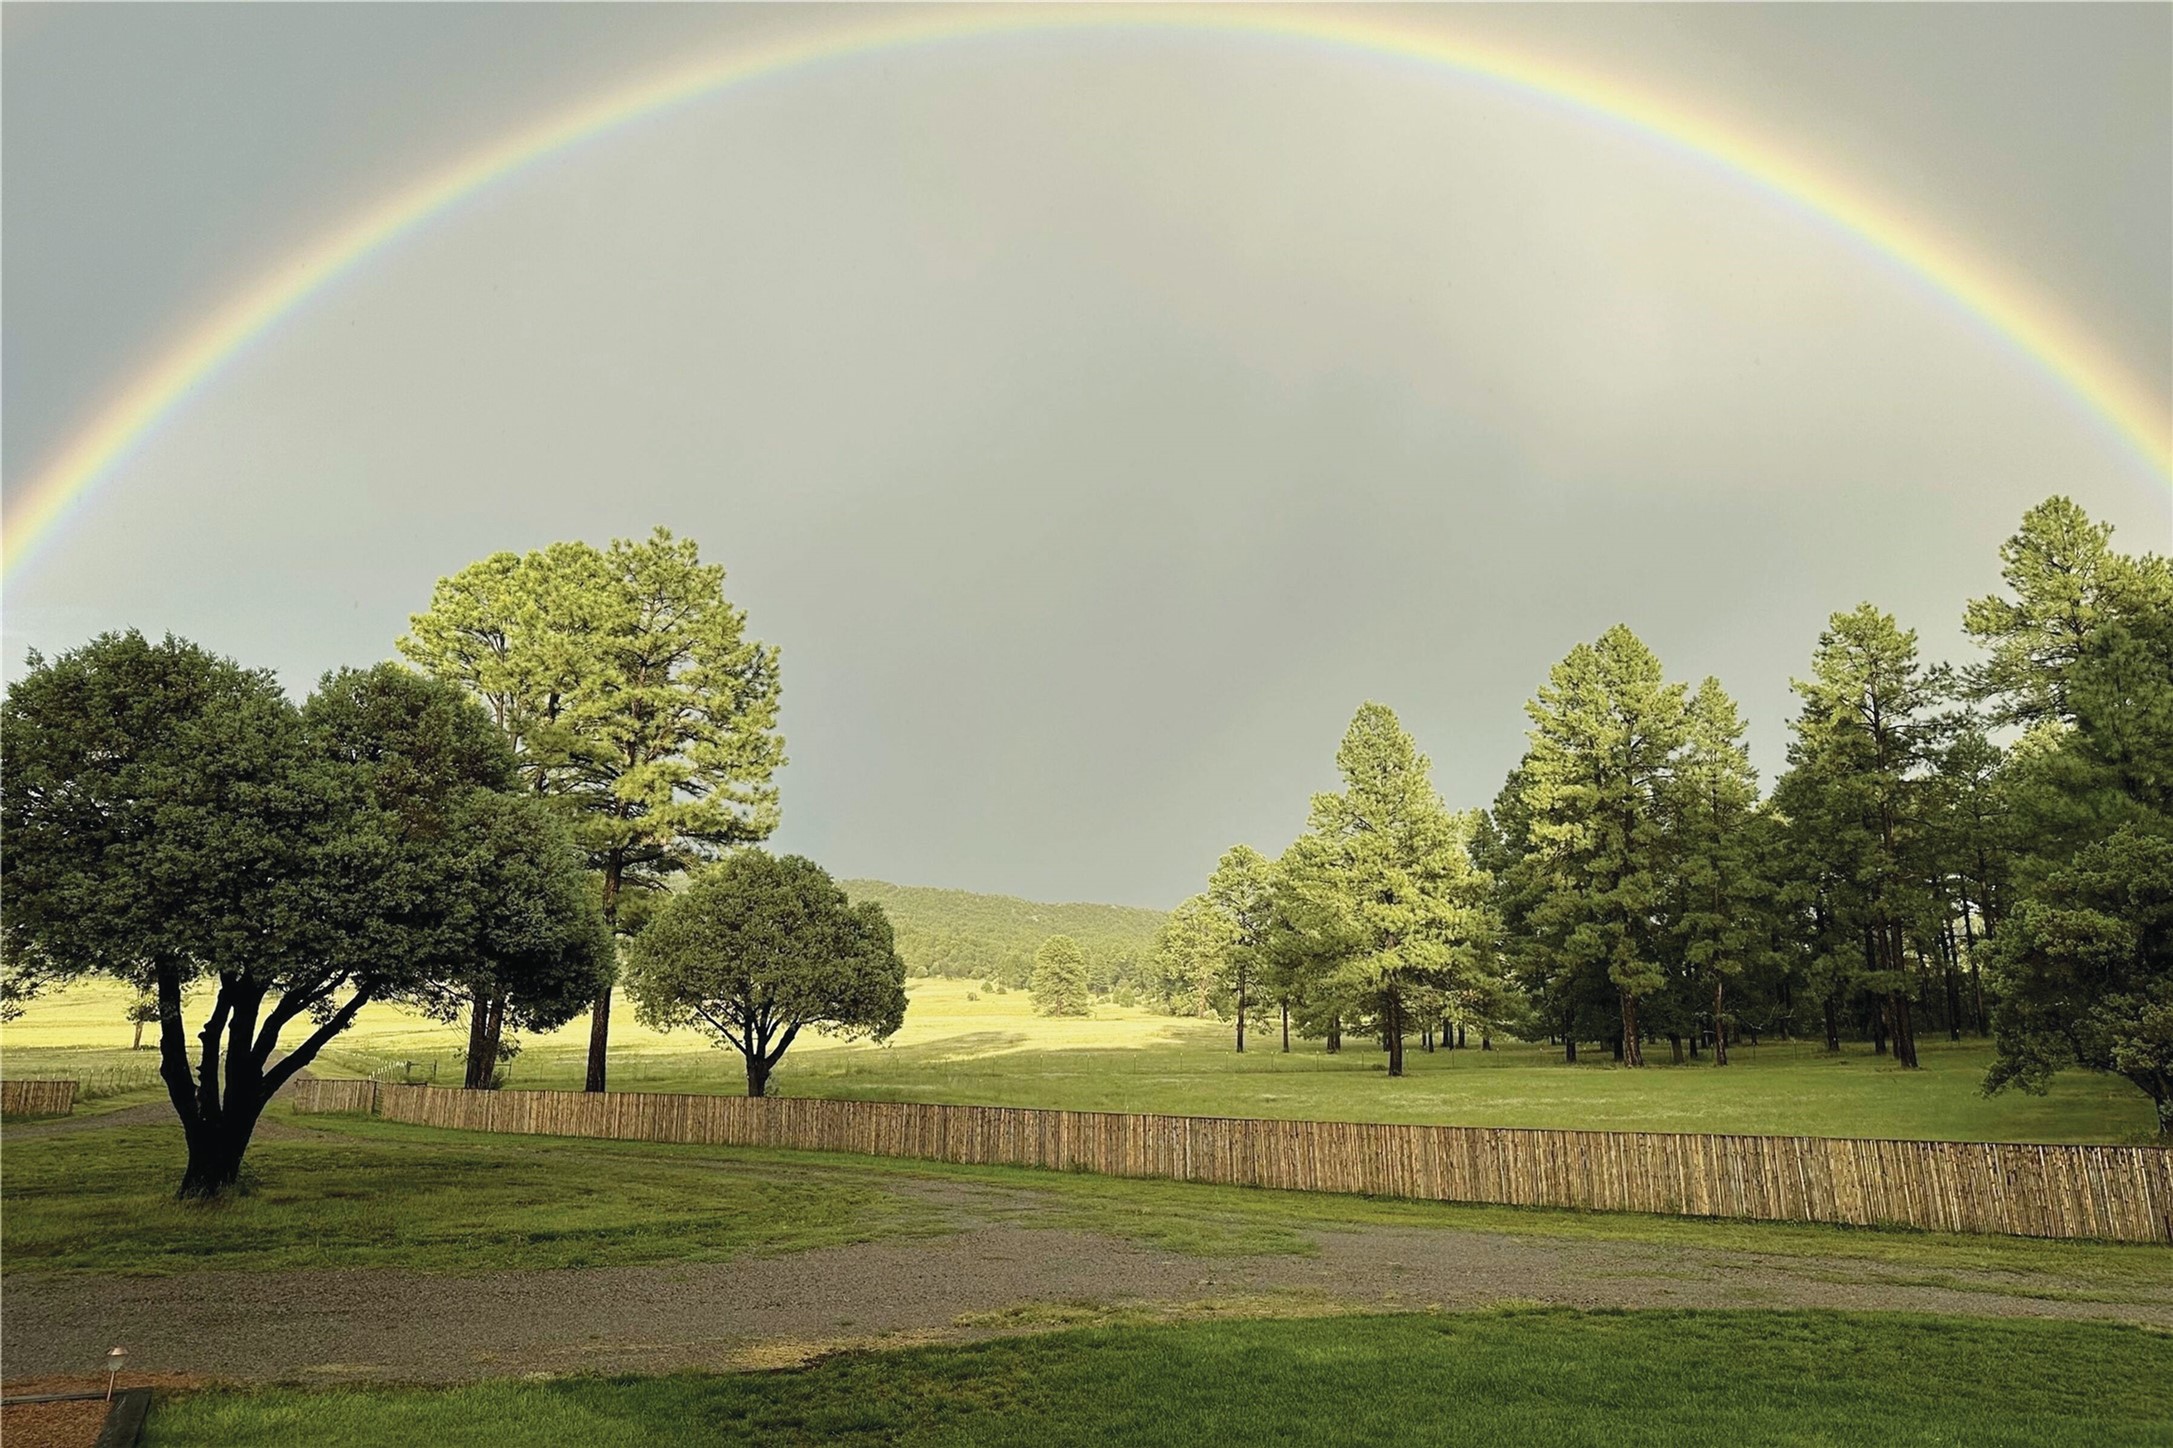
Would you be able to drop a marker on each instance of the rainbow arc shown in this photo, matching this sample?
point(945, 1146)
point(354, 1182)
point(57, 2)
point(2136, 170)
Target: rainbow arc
point(2027, 321)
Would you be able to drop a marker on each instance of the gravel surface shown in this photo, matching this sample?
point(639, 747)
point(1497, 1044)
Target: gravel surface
point(997, 1273)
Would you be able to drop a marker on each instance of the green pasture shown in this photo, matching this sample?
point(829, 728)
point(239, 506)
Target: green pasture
point(1611, 1380)
point(963, 1044)
point(357, 1192)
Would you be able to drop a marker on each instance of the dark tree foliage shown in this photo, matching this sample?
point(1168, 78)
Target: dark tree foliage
point(2082, 968)
point(173, 821)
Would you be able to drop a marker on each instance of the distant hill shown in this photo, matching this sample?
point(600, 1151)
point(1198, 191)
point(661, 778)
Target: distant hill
point(993, 937)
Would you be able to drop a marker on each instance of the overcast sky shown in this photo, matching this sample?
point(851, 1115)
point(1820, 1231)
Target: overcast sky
point(1093, 421)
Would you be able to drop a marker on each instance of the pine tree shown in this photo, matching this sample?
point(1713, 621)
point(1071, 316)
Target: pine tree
point(1242, 891)
point(2061, 567)
point(1604, 733)
point(1060, 978)
point(1713, 819)
point(1862, 749)
point(1387, 869)
point(1187, 956)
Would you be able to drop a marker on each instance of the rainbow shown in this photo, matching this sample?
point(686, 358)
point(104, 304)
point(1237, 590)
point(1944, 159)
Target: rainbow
point(2010, 309)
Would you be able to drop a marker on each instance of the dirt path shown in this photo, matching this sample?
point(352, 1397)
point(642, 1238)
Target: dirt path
point(997, 1273)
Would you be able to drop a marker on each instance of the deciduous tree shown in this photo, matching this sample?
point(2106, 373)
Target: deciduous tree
point(171, 819)
point(758, 948)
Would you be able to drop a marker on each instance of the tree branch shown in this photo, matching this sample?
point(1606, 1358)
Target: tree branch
point(305, 1053)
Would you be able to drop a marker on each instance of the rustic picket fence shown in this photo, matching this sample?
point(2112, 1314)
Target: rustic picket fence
point(2118, 1193)
point(37, 1098)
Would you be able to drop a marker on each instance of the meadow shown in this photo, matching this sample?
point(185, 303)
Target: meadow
point(964, 1044)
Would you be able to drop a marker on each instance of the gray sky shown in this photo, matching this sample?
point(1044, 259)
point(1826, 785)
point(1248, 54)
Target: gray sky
point(1093, 421)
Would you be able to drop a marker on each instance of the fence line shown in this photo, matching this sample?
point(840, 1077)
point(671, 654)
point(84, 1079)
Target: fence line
point(37, 1098)
point(2121, 1193)
point(313, 1093)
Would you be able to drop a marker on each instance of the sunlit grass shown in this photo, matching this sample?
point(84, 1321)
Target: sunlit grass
point(966, 1045)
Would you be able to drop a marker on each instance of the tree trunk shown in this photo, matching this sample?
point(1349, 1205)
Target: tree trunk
point(1675, 1046)
point(1833, 1023)
point(1976, 978)
point(477, 1075)
point(758, 1075)
point(600, 1013)
point(1426, 1038)
point(221, 1094)
point(216, 1149)
point(1335, 1034)
point(1486, 1038)
point(1904, 1032)
point(138, 1044)
point(1286, 1025)
point(1720, 1024)
point(1394, 1033)
point(1632, 1054)
point(1460, 1037)
point(1954, 987)
point(494, 1041)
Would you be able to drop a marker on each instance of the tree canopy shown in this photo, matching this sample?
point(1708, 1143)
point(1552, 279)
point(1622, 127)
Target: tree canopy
point(758, 948)
point(172, 819)
point(1060, 978)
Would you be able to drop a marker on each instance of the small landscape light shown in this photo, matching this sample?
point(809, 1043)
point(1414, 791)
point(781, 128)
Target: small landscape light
point(114, 1359)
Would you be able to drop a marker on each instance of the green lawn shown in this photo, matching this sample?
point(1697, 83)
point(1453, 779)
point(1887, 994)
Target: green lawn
point(418, 1200)
point(960, 1044)
point(1552, 1377)
point(357, 1192)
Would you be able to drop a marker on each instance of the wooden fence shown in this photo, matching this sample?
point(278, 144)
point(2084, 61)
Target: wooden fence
point(37, 1098)
point(311, 1093)
point(2120, 1193)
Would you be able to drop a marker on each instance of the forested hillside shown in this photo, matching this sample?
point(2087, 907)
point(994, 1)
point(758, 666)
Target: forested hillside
point(993, 937)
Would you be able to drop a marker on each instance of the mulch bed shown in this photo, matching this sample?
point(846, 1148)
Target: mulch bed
point(75, 1423)
point(52, 1425)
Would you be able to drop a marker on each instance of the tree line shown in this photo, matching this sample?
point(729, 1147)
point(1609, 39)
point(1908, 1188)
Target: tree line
point(1985, 848)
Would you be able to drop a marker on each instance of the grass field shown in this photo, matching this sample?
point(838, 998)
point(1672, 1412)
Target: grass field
point(961, 1044)
point(357, 1192)
point(1619, 1380)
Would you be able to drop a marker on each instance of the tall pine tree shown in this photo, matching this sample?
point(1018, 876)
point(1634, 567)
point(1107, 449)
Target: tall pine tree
point(1605, 728)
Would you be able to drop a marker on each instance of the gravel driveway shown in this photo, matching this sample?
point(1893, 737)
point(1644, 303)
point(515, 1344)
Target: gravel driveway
point(997, 1272)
